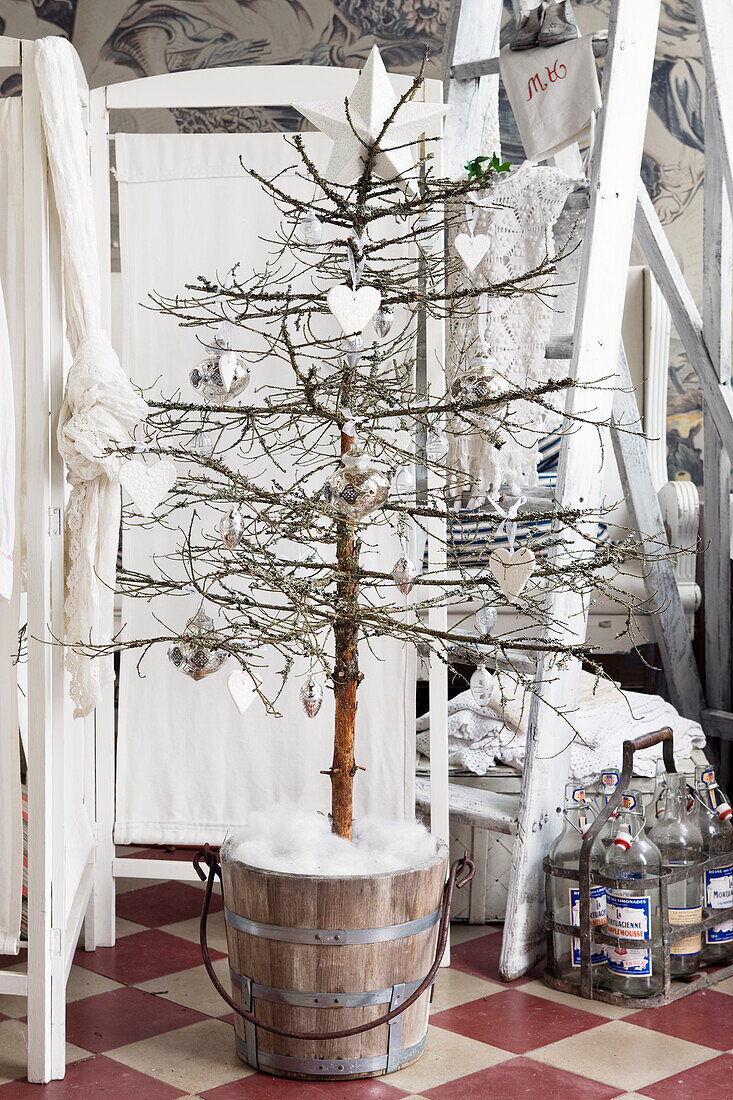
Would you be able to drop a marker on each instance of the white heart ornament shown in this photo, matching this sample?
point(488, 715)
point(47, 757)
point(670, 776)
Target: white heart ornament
point(472, 249)
point(353, 309)
point(242, 690)
point(147, 485)
point(512, 569)
point(227, 366)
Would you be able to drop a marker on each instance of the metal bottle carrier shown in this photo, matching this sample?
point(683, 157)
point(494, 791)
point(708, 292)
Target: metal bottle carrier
point(670, 934)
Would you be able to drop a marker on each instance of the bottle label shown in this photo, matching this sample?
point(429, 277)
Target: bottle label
point(597, 919)
point(629, 916)
point(708, 778)
point(690, 945)
point(719, 895)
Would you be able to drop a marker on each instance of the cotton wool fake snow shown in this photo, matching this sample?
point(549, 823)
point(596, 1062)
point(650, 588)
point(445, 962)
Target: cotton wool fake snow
point(296, 842)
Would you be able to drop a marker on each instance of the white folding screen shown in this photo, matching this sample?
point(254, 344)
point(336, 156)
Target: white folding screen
point(188, 765)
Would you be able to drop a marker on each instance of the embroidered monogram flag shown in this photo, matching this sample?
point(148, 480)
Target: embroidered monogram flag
point(553, 91)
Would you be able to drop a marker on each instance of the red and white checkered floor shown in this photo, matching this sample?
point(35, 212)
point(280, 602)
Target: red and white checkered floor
point(144, 1023)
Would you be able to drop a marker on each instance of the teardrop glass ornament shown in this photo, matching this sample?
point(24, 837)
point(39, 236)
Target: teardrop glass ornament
point(482, 686)
point(203, 443)
point(486, 617)
point(436, 444)
point(403, 481)
point(353, 347)
point(403, 574)
point(382, 320)
point(231, 528)
point(311, 696)
point(310, 229)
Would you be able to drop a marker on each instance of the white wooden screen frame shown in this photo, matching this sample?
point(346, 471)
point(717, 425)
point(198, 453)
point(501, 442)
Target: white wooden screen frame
point(248, 86)
point(55, 919)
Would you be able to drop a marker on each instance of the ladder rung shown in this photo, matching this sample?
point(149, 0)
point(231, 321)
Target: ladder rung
point(472, 70)
point(471, 806)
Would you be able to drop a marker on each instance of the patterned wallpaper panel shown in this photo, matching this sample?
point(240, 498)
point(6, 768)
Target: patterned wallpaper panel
point(123, 39)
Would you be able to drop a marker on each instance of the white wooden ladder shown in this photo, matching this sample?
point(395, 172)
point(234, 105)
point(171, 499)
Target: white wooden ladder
point(596, 356)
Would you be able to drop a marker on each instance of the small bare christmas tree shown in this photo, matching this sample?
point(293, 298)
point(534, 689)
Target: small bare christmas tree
point(349, 442)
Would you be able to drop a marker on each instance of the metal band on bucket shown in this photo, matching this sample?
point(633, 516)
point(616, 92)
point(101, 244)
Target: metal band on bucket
point(328, 1067)
point(331, 937)
point(306, 999)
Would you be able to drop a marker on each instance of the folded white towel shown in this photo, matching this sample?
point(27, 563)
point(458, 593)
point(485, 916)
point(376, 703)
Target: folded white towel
point(479, 737)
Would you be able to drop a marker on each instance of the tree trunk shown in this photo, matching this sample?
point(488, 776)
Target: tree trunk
point(346, 677)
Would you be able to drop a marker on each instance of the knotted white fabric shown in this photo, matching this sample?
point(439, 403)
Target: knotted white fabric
point(100, 407)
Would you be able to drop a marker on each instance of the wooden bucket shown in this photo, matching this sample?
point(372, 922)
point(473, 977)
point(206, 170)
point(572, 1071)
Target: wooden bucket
point(316, 955)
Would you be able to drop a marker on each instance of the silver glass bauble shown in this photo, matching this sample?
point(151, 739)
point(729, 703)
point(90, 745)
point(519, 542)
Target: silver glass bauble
point(197, 659)
point(310, 229)
point(206, 378)
point(479, 379)
point(358, 487)
point(231, 528)
point(403, 574)
point(382, 321)
point(436, 443)
point(486, 617)
point(482, 686)
point(311, 696)
point(353, 347)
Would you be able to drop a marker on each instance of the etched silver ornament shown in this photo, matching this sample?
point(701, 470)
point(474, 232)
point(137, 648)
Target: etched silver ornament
point(206, 377)
point(197, 659)
point(310, 229)
point(311, 696)
point(403, 574)
point(358, 487)
point(478, 380)
point(382, 321)
point(231, 528)
point(482, 686)
point(486, 617)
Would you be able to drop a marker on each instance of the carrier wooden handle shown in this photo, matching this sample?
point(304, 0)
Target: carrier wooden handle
point(648, 739)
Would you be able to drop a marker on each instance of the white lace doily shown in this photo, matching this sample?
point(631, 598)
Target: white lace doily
point(518, 216)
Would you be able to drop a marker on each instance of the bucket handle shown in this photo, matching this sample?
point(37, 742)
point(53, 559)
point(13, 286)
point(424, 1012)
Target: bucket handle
point(454, 882)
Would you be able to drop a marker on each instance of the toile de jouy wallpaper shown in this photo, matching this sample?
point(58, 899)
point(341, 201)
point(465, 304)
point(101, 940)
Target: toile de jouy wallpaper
point(124, 39)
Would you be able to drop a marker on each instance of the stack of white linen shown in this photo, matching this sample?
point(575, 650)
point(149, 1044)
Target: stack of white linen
point(480, 737)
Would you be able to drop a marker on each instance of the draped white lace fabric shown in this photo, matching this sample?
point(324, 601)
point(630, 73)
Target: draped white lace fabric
point(518, 216)
point(100, 407)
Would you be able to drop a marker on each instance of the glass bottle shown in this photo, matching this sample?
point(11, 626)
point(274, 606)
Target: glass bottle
point(608, 782)
point(680, 841)
point(713, 816)
point(565, 894)
point(633, 910)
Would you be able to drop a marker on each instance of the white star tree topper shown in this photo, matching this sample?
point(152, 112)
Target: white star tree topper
point(370, 105)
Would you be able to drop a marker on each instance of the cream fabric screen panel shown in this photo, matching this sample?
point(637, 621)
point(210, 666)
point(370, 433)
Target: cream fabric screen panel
point(188, 766)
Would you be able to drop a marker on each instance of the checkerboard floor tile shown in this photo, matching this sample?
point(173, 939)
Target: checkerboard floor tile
point(144, 1023)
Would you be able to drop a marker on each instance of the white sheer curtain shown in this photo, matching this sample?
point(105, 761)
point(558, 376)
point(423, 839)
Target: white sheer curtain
point(100, 407)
